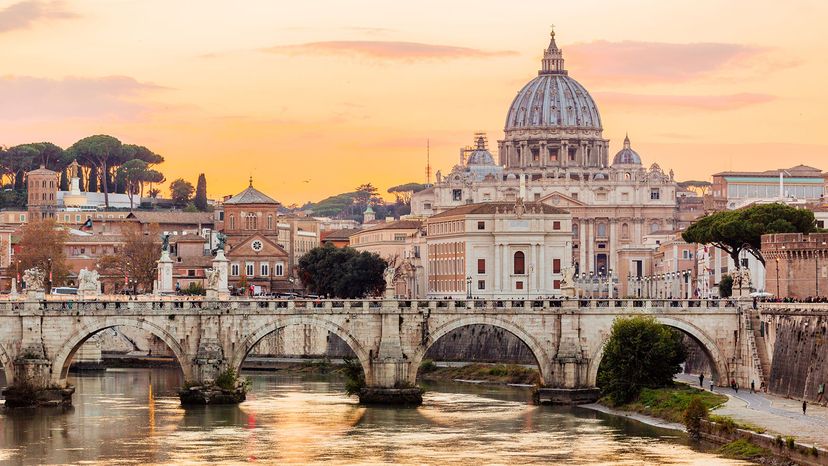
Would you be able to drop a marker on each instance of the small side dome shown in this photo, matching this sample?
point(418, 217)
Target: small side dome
point(626, 156)
point(511, 176)
point(480, 155)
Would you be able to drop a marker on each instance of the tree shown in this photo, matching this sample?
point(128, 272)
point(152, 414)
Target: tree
point(137, 257)
point(404, 192)
point(180, 192)
point(342, 272)
point(200, 200)
point(640, 353)
point(101, 152)
point(132, 174)
point(736, 230)
point(42, 245)
point(693, 415)
point(726, 286)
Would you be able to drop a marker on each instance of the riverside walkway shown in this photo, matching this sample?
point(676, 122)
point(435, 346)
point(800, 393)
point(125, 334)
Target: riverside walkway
point(778, 415)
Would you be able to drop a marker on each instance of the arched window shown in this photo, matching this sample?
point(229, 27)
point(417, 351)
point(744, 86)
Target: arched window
point(627, 176)
point(250, 221)
point(520, 263)
point(232, 222)
point(575, 229)
point(625, 231)
point(602, 230)
point(270, 222)
point(654, 227)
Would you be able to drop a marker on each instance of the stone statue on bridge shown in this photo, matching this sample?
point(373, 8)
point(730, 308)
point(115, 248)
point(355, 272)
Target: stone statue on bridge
point(213, 276)
point(165, 242)
point(89, 283)
point(34, 279)
point(221, 240)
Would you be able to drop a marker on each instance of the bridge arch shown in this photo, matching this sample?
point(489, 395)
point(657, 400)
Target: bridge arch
point(541, 355)
point(278, 323)
point(718, 362)
point(64, 356)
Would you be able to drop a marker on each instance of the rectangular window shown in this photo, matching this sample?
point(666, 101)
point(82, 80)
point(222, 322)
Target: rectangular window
point(519, 285)
point(280, 269)
point(457, 194)
point(481, 284)
point(481, 225)
point(427, 206)
point(264, 268)
point(556, 266)
point(655, 194)
point(190, 273)
point(556, 284)
point(481, 265)
point(399, 236)
point(556, 225)
point(234, 270)
point(249, 269)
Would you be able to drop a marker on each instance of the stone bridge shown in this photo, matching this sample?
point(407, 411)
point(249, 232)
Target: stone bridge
point(38, 339)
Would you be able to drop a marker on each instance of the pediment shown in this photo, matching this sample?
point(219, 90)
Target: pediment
point(561, 200)
point(246, 247)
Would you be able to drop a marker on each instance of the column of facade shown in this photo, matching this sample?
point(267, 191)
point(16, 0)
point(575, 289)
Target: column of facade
point(590, 238)
point(497, 268)
point(613, 246)
point(542, 267)
point(563, 154)
point(543, 153)
point(524, 153)
point(507, 268)
point(582, 246)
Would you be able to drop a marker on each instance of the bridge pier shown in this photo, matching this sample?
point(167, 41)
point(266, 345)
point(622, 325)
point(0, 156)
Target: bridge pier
point(388, 382)
point(32, 387)
point(214, 380)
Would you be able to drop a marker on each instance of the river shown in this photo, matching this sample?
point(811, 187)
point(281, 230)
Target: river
point(132, 416)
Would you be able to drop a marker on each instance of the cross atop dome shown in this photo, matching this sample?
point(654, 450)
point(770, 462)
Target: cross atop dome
point(552, 62)
point(627, 141)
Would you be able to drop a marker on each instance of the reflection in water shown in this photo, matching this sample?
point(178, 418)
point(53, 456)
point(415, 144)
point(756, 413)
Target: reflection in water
point(133, 416)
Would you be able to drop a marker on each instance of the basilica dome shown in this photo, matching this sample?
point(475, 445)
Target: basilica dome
point(480, 155)
point(553, 99)
point(626, 156)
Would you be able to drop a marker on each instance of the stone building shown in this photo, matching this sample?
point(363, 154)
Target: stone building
point(42, 187)
point(498, 250)
point(553, 139)
point(738, 189)
point(399, 243)
point(796, 264)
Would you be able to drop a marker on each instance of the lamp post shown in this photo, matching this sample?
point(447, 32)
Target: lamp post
point(468, 287)
point(49, 262)
point(609, 284)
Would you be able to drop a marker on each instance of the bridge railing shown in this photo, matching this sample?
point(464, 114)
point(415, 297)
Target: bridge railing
point(178, 303)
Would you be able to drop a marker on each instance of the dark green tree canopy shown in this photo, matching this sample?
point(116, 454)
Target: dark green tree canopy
point(640, 353)
point(200, 200)
point(736, 230)
point(342, 272)
point(181, 191)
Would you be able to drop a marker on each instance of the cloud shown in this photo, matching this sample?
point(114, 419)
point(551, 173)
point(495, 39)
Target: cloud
point(651, 62)
point(386, 50)
point(700, 102)
point(23, 15)
point(26, 97)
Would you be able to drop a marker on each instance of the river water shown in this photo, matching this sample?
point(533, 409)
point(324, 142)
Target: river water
point(132, 416)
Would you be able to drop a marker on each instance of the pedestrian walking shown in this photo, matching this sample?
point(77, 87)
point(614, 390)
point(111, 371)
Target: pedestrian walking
point(804, 406)
point(752, 386)
point(711, 384)
point(701, 380)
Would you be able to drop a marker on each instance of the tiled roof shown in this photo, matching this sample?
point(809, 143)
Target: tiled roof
point(799, 170)
point(499, 207)
point(187, 218)
point(251, 195)
point(342, 234)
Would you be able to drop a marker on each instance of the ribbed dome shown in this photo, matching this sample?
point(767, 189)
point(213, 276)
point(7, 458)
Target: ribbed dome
point(480, 155)
point(626, 156)
point(553, 99)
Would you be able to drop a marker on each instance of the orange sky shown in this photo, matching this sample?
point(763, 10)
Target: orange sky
point(313, 98)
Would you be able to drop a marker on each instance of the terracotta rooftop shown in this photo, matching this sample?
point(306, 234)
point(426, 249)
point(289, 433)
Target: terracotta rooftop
point(342, 234)
point(187, 218)
point(251, 195)
point(499, 207)
point(398, 225)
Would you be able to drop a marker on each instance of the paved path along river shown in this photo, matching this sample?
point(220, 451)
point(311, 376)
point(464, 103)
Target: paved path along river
point(778, 415)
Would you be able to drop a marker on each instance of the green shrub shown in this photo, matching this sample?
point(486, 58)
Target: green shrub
point(778, 441)
point(427, 366)
point(499, 371)
point(227, 380)
point(693, 416)
point(814, 451)
point(790, 443)
point(354, 376)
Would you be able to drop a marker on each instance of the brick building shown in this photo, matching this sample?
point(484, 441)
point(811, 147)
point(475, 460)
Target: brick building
point(797, 264)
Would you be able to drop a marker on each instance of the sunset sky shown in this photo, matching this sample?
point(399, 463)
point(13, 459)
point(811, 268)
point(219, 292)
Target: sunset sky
point(313, 98)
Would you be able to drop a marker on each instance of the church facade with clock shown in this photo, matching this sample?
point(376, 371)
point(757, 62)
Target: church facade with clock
point(250, 223)
point(553, 144)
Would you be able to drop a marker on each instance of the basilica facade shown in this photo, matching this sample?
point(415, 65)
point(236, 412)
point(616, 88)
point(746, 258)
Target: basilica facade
point(553, 145)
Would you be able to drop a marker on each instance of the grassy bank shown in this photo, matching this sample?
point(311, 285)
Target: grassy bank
point(669, 402)
point(499, 373)
point(744, 450)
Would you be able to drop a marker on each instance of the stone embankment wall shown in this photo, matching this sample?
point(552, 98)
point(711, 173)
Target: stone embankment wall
point(797, 337)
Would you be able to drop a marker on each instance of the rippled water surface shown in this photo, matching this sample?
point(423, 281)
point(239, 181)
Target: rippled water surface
point(133, 416)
